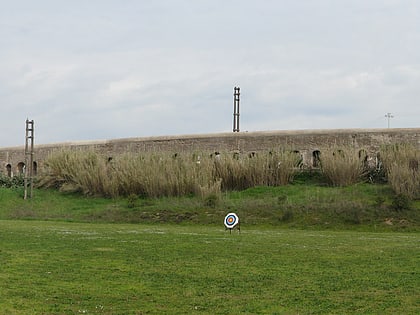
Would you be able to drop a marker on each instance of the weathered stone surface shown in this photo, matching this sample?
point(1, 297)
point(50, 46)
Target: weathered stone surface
point(304, 141)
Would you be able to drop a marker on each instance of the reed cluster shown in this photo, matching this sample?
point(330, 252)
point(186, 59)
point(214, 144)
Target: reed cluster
point(262, 169)
point(160, 174)
point(342, 166)
point(401, 165)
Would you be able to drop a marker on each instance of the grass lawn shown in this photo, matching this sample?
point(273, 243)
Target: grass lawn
point(82, 268)
point(299, 206)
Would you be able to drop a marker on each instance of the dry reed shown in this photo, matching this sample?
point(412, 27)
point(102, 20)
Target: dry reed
point(157, 175)
point(401, 164)
point(342, 166)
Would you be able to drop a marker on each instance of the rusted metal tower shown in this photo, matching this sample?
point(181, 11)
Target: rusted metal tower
point(236, 94)
point(29, 159)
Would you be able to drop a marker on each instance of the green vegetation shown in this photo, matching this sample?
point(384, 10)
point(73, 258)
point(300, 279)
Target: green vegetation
point(325, 241)
point(304, 204)
point(74, 268)
point(264, 188)
point(154, 175)
point(11, 182)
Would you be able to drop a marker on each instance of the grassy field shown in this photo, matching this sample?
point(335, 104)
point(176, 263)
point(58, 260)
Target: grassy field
point(304, 248)
point(367, 207)
point(80, 268)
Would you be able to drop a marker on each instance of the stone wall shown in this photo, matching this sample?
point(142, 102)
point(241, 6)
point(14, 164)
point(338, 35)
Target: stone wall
point(306, 142)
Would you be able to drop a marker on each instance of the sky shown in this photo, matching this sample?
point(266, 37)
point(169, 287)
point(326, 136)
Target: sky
point(107, 69)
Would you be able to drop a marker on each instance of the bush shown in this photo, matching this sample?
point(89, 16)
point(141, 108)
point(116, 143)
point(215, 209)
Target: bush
point(401, 202)
point(11, 182)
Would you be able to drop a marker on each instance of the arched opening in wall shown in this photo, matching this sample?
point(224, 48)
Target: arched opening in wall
point(34, 168)
point(9, 170)
point(21, 168)
point(316, 155)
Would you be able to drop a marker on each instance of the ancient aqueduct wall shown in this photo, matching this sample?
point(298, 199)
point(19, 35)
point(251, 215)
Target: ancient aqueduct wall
point(308, 143)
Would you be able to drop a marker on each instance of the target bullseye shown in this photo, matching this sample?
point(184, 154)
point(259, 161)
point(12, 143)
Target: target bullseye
point(231, 220)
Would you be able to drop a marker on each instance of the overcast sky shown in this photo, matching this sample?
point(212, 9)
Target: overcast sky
point(104, 69)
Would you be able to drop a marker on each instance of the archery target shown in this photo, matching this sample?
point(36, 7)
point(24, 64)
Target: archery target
point(231, 220)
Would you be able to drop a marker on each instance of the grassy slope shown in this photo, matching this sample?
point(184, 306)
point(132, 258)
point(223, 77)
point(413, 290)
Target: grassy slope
point(74, 268)
point(299, 205)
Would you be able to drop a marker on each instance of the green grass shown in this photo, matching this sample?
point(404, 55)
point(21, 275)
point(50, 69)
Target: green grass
point(79, 268)
point(361, 206)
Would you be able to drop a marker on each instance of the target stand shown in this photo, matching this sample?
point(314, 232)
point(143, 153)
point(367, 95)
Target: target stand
point(232, 221)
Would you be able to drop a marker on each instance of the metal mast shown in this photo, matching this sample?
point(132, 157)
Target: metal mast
point(236, 94)
point(29, 159)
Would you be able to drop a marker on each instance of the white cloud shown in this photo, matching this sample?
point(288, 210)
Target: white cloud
point(109, 69)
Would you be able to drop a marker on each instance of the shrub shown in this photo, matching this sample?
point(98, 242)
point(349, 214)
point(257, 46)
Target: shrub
point(11, 182)
point(401, 202)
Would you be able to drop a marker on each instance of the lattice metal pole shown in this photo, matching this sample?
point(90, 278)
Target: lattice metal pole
point(29, 159)
point(236, 95)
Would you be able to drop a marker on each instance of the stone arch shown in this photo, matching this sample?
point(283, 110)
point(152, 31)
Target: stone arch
point(9, 170)
point(316, 158)
point(21, 168)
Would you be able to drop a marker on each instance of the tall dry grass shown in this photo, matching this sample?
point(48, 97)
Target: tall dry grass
point(262, 169)
point(401, 164)
point(342, 166)
point(78, 171)
point(160, 174)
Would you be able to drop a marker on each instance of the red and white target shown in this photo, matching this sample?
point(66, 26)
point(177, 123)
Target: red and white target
point(231, 220)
